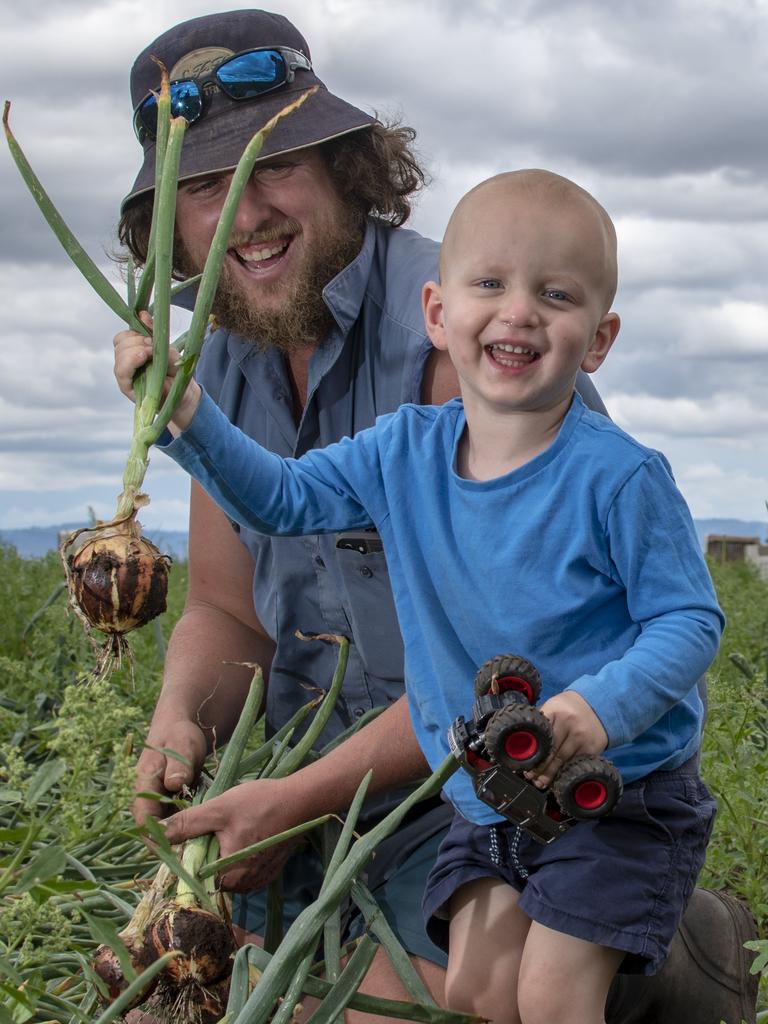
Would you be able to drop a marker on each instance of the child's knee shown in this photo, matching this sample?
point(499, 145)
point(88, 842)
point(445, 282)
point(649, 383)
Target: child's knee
point(540, 1004)
point(464, 995)
point(569, 989)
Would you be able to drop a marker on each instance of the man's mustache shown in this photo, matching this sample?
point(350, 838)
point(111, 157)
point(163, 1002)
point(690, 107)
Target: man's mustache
point(270, 233)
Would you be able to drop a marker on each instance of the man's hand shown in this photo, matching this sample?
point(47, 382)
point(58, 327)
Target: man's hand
point(576, 729)
point(253, 811)
point(243, 815)
point(161, 773)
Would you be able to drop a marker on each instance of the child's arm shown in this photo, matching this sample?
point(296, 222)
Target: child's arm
point(321, 493)
point(653, 551)
point(132, 351)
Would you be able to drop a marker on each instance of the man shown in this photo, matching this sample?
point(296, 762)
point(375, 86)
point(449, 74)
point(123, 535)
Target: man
point(320, 332)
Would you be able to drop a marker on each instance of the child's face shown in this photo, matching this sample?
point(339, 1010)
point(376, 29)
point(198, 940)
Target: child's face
point(521, 307)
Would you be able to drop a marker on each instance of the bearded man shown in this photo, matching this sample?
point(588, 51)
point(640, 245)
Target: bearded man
point(319, 331)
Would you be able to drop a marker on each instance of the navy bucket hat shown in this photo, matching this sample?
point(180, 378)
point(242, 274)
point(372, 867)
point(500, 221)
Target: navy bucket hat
point(216, 141)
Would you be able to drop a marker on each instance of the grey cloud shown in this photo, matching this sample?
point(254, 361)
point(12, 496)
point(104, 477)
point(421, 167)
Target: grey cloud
point(657, 107)
point(635, 88)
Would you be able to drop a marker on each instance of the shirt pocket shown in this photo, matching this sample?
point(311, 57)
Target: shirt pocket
point(370, 609)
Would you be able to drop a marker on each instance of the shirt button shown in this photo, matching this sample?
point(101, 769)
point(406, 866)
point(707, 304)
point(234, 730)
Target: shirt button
point(365, 571)
point(359, 712)
point(319, 562)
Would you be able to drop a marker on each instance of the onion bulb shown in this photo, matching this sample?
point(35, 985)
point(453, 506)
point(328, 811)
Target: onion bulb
point(106, 965)
point(117, 580)
point(204, 940)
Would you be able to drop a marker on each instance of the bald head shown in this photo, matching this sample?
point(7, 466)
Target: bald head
point(542, 193)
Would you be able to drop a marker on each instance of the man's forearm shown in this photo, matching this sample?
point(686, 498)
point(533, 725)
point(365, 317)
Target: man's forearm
point(208, 670)
point(387, 746)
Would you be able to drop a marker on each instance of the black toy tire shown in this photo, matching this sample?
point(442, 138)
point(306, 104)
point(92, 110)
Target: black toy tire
point(521, 727)
point(587, 787)
point(518, 674)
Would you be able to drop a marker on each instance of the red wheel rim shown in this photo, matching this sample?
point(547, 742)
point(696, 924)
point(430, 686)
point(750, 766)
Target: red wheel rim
point(518, 685)
point(590, 795)
point(521, 745)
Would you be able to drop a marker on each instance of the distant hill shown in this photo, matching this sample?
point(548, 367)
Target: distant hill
point(36, 541)
point(732, 527)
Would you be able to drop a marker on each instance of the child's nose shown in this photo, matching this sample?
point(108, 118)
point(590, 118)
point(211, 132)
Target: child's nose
point(520, 311)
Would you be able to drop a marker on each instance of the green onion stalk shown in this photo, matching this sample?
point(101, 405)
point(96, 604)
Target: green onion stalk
point(117, 579)
point(193, 922)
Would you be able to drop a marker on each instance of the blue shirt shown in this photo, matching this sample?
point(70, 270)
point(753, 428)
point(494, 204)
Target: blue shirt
point(585, 560)
point(371, 362)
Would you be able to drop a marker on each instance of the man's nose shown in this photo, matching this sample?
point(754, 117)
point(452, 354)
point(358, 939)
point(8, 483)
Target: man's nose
point(252, 208)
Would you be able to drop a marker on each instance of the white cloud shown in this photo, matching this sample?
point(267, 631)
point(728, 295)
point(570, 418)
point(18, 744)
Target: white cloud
point(663, 253)
point(714, 491)
point(727, 331)
point(725, 415)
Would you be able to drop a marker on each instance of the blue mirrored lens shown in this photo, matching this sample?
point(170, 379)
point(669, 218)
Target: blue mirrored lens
point(251, 74)
point(186, 100)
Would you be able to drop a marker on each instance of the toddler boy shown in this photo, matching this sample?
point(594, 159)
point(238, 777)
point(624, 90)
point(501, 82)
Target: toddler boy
point(516, 520)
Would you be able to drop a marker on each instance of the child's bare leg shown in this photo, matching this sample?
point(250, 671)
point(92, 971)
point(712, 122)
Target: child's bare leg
point(487, 934)
point(563, 978)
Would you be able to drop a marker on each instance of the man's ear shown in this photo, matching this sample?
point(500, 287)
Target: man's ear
point(432, 307)
point(605, 335)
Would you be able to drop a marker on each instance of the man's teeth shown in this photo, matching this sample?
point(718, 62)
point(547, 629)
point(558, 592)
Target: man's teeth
point(252, 255)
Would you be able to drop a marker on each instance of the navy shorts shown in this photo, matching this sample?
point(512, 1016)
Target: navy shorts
point(622, 881)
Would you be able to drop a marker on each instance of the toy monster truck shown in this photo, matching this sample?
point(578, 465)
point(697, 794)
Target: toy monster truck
point(507, 737)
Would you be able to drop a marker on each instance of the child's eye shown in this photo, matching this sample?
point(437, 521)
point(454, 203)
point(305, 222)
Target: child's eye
point(557, 295)
point(489, 283)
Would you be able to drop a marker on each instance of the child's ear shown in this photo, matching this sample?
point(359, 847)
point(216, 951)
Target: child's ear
point(432, 307)
point(605, 335)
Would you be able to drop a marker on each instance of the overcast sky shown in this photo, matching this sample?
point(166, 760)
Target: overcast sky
point(656, 106)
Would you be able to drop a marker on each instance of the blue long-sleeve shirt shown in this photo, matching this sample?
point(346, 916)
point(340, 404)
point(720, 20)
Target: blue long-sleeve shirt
point(584, 560)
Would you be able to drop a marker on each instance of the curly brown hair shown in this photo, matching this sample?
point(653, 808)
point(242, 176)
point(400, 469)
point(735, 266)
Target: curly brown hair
point(375, 170)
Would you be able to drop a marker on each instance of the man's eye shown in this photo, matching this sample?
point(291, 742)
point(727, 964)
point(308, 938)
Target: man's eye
point(202, 187)
point(273, 171)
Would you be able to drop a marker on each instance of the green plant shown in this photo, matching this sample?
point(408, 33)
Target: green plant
point(70, 879)
point(735, 749)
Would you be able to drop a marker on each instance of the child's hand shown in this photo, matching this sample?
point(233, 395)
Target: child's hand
point(576, 729)
point(132, 351)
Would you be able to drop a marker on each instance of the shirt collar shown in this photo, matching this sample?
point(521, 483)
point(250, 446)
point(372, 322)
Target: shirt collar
point(345, 293)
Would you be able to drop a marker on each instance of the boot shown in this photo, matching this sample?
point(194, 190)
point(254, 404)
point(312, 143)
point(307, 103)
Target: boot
point(704, 980)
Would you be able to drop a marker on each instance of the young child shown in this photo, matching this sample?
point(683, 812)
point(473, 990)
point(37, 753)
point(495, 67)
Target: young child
point(516, 520)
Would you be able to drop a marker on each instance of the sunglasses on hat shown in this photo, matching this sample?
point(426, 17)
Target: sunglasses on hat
point(244, 76)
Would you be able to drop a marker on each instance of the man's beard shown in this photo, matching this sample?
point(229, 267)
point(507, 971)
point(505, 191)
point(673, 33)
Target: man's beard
point(302, 318)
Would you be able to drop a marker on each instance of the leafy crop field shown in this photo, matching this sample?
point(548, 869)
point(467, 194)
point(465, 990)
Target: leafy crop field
point(69, 856)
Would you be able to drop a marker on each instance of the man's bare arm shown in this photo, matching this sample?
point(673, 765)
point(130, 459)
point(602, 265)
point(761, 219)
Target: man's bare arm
point(202, 695)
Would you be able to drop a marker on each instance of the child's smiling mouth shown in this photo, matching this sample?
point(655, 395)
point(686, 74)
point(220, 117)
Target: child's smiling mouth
point(514, 356)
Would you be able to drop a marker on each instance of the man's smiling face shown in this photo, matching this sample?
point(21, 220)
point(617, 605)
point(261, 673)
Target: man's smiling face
point(292, 235)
